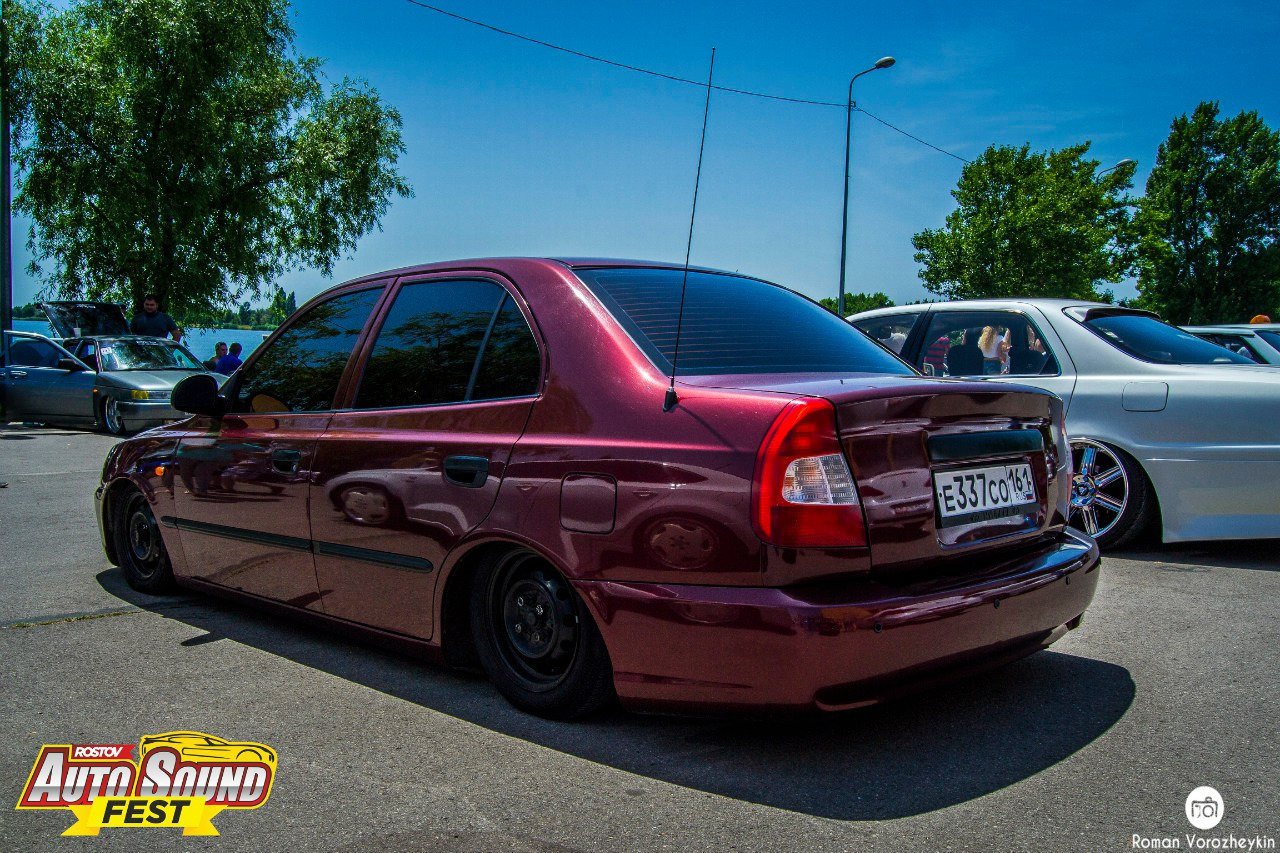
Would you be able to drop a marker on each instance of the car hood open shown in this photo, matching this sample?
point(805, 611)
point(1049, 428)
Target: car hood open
point(86, 319)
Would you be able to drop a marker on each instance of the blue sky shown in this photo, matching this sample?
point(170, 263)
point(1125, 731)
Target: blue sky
point(516, 149)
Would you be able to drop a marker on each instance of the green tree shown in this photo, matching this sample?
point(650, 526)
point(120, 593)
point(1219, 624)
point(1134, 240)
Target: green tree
point(855, 303)
point(1209, 247)
point(278, 311)
point(1030, 224)
point(183, 147)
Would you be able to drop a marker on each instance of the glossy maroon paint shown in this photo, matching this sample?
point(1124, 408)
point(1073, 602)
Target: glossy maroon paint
point(648, 513)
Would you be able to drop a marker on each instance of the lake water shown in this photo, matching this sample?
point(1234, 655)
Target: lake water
point(199, 341)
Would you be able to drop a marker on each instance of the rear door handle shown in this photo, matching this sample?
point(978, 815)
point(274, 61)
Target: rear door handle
point(18, 374)
point(286, 461)
point(467, 471)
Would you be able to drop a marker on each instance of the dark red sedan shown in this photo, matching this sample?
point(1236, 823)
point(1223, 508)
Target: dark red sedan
point(481, 460)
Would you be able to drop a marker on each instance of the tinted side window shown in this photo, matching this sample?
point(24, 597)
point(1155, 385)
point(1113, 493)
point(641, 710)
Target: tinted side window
point(1270, 337)
point(510, 366)
point(300, 370)
point(426, 351)
point(1152, 340)
point(1236, 343)
point(28, 352)
point(890, 331)
point(985, 343)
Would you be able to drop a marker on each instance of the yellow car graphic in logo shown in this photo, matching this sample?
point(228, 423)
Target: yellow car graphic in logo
point(198, 747)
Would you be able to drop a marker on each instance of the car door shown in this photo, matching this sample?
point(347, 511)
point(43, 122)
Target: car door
point(241, 485)
point(416, 461)
point(38, 389)
point(999, 344)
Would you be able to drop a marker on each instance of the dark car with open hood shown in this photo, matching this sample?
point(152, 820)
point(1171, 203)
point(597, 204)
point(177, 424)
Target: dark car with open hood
point(482, 461)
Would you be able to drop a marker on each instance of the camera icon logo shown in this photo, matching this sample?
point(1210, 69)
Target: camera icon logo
point(1204, 807)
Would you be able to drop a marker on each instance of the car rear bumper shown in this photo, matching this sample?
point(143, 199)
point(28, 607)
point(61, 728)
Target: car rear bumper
point(839, 645)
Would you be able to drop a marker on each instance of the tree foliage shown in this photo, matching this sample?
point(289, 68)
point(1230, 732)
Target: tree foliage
point(182, 147)
point(1209, 224)
point(855, 303)
point(1030, 224)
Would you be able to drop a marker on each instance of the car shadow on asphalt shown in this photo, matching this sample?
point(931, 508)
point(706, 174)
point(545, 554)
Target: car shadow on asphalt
point(936, 749)
point(1263, 554)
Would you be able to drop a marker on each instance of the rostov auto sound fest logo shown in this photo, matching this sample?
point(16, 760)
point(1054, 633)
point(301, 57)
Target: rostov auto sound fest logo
point(180, 779)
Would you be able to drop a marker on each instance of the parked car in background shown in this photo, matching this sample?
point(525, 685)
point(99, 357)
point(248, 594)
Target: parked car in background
point(96, 375)
point(1258, 342)
point(488, 461)
point(1167, 431)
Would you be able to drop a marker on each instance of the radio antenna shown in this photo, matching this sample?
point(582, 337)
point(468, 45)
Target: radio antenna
point(671, 399)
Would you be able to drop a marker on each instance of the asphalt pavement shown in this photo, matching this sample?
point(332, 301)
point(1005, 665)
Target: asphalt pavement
point(1171, 683)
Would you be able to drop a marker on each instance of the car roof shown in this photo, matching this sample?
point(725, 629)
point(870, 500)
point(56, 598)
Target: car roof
point(1236, 328)
point(148, 338)
point(1044, 304)
point(508, 264)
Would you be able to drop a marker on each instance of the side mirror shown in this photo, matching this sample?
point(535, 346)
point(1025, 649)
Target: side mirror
point(198, 395)
point(70, 364)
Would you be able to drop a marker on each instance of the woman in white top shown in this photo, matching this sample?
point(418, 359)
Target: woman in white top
point(995, 349)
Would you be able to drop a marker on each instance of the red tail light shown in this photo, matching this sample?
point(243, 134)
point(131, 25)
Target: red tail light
point(804, 495)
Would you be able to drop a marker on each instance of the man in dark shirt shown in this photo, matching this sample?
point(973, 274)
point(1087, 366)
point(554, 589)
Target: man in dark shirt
point(153, 322)
point(229, 362)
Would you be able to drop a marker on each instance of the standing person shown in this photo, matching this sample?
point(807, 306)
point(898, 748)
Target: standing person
point(936, 355)
point(153, 322)
point(995, 349)
point(219, 350)
point(1260, 318)
point(229, 362)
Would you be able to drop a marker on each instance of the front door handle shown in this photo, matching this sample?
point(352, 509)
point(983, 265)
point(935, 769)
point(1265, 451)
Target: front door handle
point(17, 374)
point(466, 471)
point(286, 461)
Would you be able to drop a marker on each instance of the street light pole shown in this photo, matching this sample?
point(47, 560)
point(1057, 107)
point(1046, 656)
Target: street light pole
point(883, 62)
point(6, 213)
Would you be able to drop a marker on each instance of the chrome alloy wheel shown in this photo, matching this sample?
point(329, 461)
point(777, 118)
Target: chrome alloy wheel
point(1100, 487)
point(111, 416)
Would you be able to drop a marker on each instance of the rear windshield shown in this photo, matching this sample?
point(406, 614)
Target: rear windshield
point(733, 325)
point(1151, 340)
point(1270, 337)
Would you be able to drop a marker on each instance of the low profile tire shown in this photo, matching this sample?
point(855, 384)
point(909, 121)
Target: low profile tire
point(535, 639)
point(139, 548)
point(1111, 498)
point(111, 418)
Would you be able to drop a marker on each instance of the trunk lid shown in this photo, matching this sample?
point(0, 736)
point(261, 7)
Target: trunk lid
point(904, 435)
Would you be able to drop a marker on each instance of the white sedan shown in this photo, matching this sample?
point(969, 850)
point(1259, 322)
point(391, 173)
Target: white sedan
point(1258, 342)
point(1167, 430)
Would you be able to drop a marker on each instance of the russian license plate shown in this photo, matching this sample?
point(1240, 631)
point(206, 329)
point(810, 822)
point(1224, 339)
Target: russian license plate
point(970, 495)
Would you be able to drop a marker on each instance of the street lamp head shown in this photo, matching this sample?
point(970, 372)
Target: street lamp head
point(885, 61)
point(1128, 161)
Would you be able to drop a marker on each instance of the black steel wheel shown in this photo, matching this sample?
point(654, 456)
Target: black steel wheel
point(139, 549)
point(536, 640)
point(1111, 499)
